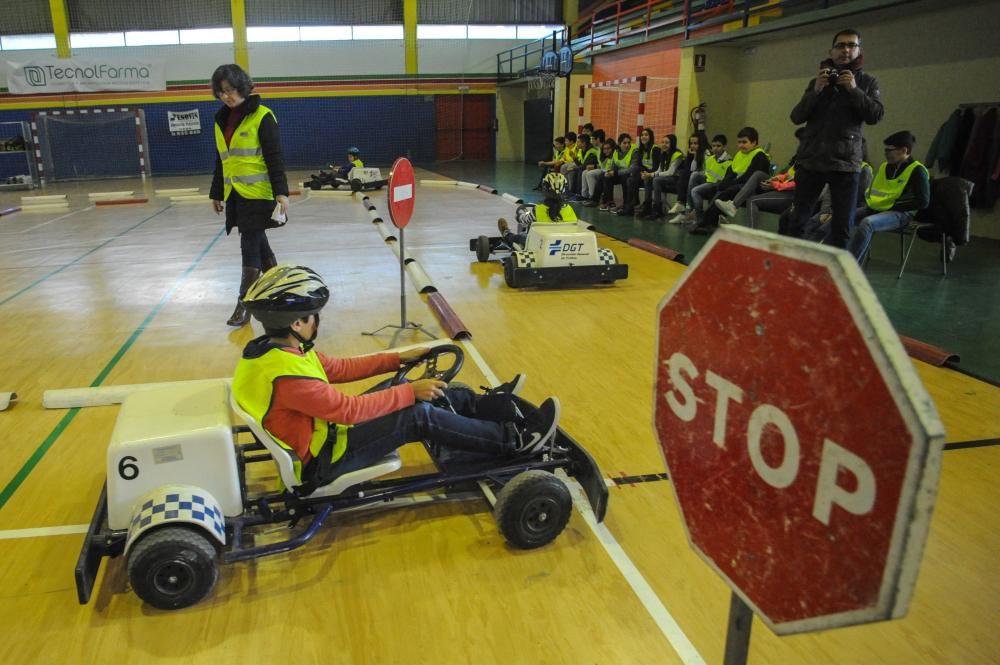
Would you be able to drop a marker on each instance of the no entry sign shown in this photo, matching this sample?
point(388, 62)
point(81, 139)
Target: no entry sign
point(401, 192)
point(803, 450)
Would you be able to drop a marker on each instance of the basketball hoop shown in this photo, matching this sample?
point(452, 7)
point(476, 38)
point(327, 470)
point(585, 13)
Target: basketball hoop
point(547, 79)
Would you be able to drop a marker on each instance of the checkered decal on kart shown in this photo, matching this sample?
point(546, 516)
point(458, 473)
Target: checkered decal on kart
point(525, 260)
point(606, 257)
point(186, 506)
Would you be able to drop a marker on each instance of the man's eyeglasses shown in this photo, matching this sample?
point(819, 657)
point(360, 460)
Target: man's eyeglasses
point(846, 45)
point(891, 149)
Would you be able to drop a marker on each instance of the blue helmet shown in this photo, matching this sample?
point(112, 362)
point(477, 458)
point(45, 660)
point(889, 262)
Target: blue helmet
point(353, 151)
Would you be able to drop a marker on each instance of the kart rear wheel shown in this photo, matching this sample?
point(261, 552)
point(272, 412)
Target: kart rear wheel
point(173, 567)
point(483, 249)
point(532, 509)
point(355, 185)
point(315, 185)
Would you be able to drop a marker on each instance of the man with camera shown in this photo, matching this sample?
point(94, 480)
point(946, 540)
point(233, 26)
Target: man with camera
point(835, 106)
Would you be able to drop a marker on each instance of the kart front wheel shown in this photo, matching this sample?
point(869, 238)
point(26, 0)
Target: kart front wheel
point(483, 249)
point(356, 185)
point(173, 567)
point(532, 509)
point(510, 272)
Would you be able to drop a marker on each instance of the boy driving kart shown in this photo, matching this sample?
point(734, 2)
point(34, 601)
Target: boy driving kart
point(286, 386)
point(550, 211)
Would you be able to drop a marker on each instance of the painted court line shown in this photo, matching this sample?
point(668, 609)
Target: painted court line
point(659, 613)
point(43, 448)
point(68, 530)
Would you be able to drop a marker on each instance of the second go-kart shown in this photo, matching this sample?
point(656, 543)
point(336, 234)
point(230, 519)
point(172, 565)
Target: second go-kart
point(176, 502)
point(553, 254)
point(359, 178)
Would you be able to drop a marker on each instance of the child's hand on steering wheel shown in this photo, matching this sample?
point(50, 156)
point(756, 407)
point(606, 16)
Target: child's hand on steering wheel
point(426, 390)
point(411, 355)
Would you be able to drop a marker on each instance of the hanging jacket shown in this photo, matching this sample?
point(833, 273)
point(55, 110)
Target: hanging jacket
point(944, 142)
point(975, 165)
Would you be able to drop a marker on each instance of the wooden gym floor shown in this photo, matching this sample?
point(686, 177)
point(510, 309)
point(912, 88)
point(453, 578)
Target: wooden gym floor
point(138, 294)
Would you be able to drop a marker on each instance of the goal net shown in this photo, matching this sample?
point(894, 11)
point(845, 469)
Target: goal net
point(91, 143)
point(629, 105)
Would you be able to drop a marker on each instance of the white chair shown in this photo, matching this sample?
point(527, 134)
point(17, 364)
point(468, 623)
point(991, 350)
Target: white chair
point(285, 461)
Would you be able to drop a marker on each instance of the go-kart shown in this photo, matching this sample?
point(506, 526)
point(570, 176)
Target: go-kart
point(554, 254)
point(176, 501)
point(358, 179)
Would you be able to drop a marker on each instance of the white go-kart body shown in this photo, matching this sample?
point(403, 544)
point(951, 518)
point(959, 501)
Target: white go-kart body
point(554, 253)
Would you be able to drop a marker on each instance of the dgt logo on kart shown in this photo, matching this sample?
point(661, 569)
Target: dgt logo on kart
point(559, 247)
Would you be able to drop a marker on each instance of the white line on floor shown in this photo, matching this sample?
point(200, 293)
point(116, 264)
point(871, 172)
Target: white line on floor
point(68, 530)
point(666, 622)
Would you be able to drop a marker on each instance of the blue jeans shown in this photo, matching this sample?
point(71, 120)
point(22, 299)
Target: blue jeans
point(843, 200)
point(873, 223)
point(477, 427)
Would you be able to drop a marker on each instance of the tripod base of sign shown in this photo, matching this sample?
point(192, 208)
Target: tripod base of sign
point(738, 632)
point(410, 325)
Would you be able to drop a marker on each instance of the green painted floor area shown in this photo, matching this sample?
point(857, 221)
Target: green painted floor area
point(960, 312)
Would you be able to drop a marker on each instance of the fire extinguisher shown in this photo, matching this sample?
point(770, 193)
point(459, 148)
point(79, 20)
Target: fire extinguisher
point(698, 117)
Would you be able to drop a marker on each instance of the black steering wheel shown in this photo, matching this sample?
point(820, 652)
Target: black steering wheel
point(430, 363)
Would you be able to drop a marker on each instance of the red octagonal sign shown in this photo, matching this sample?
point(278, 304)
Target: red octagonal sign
point(401, 192)
point(803, 450)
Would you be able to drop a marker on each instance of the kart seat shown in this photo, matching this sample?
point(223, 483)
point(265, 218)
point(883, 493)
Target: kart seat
point(285, 461)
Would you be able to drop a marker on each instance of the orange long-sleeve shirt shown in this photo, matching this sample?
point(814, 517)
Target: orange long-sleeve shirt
point(296, 401)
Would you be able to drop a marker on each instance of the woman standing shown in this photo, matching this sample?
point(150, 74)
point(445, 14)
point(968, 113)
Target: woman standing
point(249, 181)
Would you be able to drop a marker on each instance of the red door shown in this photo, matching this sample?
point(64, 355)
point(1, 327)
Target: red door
point(464, 126)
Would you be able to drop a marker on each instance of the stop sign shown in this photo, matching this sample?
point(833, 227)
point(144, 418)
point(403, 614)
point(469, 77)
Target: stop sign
point(802, 447)
point(401, 192)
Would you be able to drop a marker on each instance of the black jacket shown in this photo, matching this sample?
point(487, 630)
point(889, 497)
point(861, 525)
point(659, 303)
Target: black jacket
point(834, 119)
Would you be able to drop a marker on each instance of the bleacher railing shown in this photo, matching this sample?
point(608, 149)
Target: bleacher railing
point(526, 59)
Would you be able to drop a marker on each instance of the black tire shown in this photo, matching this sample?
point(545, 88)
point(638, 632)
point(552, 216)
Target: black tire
point(355, 185)
point(173, 567)
point(532, 509)
point(315, 185)
point(509, 274)
point(483, 249)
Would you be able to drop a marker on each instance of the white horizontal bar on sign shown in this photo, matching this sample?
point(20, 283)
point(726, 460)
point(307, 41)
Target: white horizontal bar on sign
point(6, 399)
point(179, 190)
point(421, 281)
point(45, 207)
point(47, 198)
point(439, 183)
point(510, 197)
point(467, 185)
point(69, 398)
point(109, 195)
point(189, 198)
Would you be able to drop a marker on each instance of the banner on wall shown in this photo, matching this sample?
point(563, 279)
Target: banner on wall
point(184, 122)
point(46, 74)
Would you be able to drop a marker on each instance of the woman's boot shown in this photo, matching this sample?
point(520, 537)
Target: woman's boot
point(241, 316)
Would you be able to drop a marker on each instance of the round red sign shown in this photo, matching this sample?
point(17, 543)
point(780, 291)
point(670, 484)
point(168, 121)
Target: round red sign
point(401, 192)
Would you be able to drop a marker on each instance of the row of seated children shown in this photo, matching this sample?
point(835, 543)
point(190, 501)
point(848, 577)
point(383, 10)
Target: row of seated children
point(707, 173)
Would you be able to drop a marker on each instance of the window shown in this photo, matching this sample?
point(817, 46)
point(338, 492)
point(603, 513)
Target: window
point(492, 32)
point(207, 36)
point(441, 32)
point(537, 31)
point(96, 39)
point(152, 38)
point(27, 42)
point(313, 33)
point(273, 34)
point(378, 32)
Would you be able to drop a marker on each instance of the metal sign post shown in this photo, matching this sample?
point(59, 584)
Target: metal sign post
point(401, 200)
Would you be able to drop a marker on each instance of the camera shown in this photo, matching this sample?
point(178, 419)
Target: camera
point(833, 74)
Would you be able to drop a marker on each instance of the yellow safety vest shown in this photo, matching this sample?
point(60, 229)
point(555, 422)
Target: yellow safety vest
point(243, 165)
point(566, 214)
point(647, 160)
point(883, 192)
point(741, 160)
point(623, 161)
point(590, 151)
point(665, 163)
point(714, 169)
point(357, 163)
point(606, 163)
point(253, 386)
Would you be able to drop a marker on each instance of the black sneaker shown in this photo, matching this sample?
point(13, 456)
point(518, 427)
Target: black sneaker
point(539, 429)
point(512, 387)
